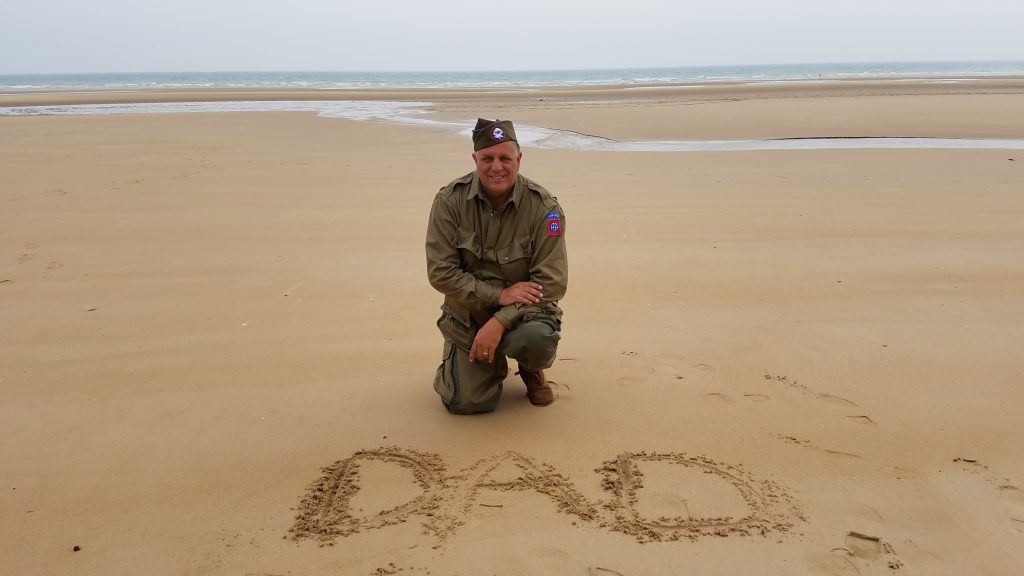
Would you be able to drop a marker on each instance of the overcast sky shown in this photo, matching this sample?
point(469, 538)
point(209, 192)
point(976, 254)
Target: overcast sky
point(44, 36)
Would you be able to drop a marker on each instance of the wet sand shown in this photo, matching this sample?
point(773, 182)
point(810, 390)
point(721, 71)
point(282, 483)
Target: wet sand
point(219, 345)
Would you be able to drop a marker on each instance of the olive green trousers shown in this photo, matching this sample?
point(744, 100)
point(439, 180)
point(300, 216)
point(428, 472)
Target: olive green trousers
point(475, 387)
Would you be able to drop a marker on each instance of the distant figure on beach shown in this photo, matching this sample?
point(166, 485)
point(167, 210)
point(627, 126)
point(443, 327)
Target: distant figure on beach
point(496, 250)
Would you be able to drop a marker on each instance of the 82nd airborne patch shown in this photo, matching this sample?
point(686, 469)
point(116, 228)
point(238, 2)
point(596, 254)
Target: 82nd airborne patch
point(554, 224)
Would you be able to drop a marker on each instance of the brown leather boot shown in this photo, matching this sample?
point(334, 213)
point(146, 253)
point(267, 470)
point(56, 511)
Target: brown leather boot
point(537, 388)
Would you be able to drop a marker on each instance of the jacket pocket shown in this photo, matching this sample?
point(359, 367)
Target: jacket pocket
point(445, 380)
point(470, 251)
point(461, 315)
point(514, 260)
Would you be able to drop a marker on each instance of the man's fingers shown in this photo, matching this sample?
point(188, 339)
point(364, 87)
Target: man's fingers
point(533, 292)
point(524, 293)
point(478, 353)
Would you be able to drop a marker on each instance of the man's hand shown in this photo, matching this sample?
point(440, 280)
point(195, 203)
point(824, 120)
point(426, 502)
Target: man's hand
point(485, 345)
point(521, 293)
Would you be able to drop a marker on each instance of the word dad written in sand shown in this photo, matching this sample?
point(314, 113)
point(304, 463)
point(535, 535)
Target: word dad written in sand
point(745, 505)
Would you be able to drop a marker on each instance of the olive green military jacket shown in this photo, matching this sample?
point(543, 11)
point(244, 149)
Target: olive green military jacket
point(473, 251)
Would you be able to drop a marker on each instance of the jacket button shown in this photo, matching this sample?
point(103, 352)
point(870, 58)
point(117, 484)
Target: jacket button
point(506, 258)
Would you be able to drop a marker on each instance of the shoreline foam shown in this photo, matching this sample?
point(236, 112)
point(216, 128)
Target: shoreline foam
point(413, 113)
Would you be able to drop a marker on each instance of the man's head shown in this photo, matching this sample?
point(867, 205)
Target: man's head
point(497, 155)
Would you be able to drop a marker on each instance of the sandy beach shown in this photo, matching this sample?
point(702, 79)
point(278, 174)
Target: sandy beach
point(219, 342)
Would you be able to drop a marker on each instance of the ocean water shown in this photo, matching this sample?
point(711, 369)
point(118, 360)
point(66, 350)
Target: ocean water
point(517, 79)
point(416, 113)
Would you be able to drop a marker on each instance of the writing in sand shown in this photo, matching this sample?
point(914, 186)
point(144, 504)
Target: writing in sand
point(650, 496)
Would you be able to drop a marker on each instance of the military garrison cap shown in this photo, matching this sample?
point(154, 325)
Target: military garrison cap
point(492, 132)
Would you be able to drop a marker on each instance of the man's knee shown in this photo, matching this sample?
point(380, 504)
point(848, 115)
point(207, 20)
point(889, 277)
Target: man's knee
point(534, 343)
point(474, 399)
point(467, 387)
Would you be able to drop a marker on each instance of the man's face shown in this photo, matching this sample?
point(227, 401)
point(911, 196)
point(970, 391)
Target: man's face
point(497, 167)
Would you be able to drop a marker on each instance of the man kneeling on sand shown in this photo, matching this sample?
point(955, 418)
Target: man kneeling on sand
point(496, 250)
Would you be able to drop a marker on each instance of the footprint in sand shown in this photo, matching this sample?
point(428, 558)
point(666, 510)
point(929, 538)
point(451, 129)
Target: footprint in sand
point(842, 455)
point(862, 419)
point(836, 454)
point(873, 548)
point(862, 554)
point(725, 398)
point(804, 389)
point(562, 391)
point(599, 571)
point(716, 397)
point(28, 255)
point(904, 473)
point(830, 399)
point(1013, 498)
point(836, 400)
point(627, 381)
point(864, 546)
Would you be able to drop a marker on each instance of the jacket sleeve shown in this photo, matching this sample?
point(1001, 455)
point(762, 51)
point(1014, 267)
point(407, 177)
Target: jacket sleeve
point(444, 266)
point(549, 267)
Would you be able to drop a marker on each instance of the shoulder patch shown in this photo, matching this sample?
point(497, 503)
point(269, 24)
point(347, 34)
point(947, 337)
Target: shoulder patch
point(554, 224)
